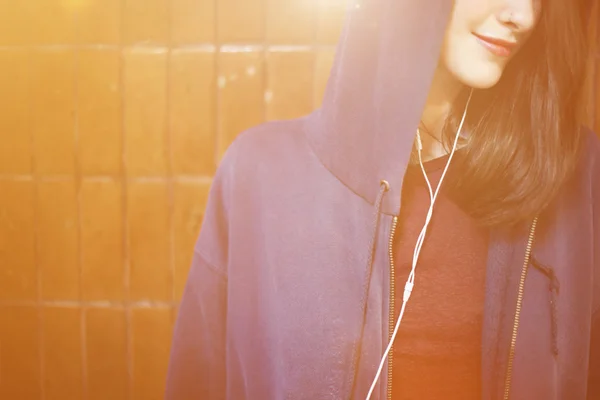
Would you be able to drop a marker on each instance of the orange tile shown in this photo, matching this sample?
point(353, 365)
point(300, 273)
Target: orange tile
point(52, 115)
point(102, 227)
point(99, 22)
point(99, 112)
point(62, 356)
point(151, 330)
point(149, 241)
point(189, 205)
point(240, 21)
point(20, 358)
point(241, 95)
point(53, 21)
point(146, 21)
point(15, 23)
point(291, 21)
point(192, 21)
point(18, 272)
point(56, 207)
point(324, 63)
point(192, 112)
point(106, 352)
point(330, 19)
point(290, 84)
point(145, 112)
point(15, 132)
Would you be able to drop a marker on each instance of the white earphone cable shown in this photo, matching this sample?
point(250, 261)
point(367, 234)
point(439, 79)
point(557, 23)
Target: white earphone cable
point(408, 287)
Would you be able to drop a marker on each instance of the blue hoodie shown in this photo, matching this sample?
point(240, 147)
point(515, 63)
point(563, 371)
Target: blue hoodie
point(289, 294)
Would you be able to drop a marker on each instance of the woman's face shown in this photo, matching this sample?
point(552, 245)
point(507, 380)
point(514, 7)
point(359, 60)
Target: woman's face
point(484, 35)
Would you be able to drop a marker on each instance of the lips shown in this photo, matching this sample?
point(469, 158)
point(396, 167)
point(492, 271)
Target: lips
point(498, 47)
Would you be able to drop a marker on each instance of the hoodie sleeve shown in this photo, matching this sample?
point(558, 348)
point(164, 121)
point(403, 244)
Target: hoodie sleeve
point(197, 368)
point(197, 365)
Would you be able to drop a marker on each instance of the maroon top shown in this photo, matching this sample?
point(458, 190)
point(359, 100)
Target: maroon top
point(437, 353)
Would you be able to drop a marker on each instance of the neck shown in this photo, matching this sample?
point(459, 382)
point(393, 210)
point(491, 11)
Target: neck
point(443, 92)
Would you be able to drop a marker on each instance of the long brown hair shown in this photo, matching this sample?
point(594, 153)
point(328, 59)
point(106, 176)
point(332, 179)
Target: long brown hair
point(525, 133)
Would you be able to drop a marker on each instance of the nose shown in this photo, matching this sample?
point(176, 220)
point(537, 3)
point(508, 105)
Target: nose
point(520, 15)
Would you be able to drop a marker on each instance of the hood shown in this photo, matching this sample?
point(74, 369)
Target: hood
point(385, 62)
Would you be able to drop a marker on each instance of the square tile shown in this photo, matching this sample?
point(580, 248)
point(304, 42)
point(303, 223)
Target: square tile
point(192, 21)
point(146, 21)
point(99, 107)
point(290, 84)
point(15, 121)
point(291, 21)
point(18, 274)
point(330, 20)
point(20, 358)
point(145, 112)
point(324, 64)
point(192, 112)
point(99, 22)
point(106, 351)
point(190, 204)
point(15, 24)
point(53, 110)
point(240, 21)
point(151, 331)
point(56, 208)
point(149, 241)
point(52, 21)
point(102, 235)
point(62, 356)
point(241, 97)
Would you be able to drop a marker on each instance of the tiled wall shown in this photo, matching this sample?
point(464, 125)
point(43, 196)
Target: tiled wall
point(113, 116)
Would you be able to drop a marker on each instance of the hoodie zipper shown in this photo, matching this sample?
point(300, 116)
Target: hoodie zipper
point(521, 292)
point(515, 330)
point(392, 313)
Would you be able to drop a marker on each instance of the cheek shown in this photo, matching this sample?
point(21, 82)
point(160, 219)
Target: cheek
point(468, 14)
point(468, 62)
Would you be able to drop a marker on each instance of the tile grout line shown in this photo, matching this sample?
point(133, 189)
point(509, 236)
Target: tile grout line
point(169, 155)
point(199, 47)
point(216, 91)
point(201, 179)
point(90, 304)
point(78, 194)
point(124, 204)
point(266, 81)
point(36, 234)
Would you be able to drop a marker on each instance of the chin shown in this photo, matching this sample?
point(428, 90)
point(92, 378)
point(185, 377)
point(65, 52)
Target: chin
point(478, 75)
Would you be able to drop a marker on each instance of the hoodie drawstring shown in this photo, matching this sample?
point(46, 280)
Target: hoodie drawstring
point(384, 186)
point(554, 288)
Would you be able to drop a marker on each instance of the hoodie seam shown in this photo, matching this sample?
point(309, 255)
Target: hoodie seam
point(314, 152)
point(210, 265)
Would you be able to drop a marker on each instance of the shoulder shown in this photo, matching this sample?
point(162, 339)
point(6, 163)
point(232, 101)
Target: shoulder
point(257, 156)
point(266, 140)
point(261, 151)
point(254, 166)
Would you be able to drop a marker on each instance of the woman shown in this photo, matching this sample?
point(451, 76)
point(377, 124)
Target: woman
point(322, 233)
